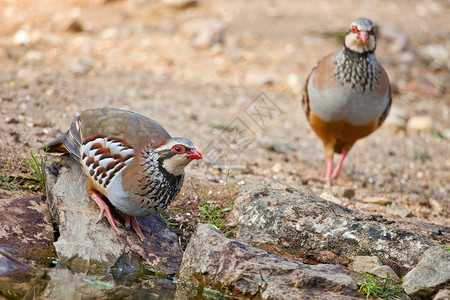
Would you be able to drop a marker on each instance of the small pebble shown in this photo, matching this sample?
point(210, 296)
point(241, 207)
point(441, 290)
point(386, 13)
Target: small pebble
point(376, 200)
point(22, 37)
point(81, 66)
point(180, 3)
point(436, 206)
point(420, 123)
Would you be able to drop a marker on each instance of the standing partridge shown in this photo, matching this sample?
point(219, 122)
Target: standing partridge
point(128, 158)
point(347, 95)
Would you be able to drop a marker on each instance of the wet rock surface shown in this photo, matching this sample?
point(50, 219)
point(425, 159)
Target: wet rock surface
point(288, 222)
point(214, 261)
point(83, 243)
point(26, 231)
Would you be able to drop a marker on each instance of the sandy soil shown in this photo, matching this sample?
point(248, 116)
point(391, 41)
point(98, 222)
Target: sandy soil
point(61, 57)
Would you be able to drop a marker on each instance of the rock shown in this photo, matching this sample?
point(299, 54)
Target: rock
point(442, 295)
point(81, 67)
point(420, 123)
point(401, 212)
point(380, 200)
point(297, 225)
point(27, 76)
point(75, 26)
point(372, 265)
point(295, 82)
point(330, 197)
point(446, 133)
point(211, 260)
point(363, 264)
point(383, 272)
point(424, 88)
point(435, 52)
point(205, 32)
point(436, 206)
point(34, 56)
point(179, 3)
point(27, 228)
point(22, 37)
point(278, 146)
point(349, 193)
point(83, 243)
point(430, 274)
point(396, 119)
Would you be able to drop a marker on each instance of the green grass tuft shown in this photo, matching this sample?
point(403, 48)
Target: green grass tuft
point(214, 215)
point(34, 165)
point(374, 287)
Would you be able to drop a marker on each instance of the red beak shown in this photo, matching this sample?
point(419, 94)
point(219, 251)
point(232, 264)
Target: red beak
point(363, 36)
point(194, 154)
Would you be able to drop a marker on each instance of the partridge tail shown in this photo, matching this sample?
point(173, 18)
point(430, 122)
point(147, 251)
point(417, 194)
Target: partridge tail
point(69, 142)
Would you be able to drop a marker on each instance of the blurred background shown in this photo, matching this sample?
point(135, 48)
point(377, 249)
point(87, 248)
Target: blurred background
point(196, 66)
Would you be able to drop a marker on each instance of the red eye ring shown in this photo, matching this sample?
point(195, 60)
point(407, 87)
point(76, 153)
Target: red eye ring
point(178, 149)
point(354, 29)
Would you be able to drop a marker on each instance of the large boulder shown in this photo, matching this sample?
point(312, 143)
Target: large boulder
point(298, 225)
point(213, 261)
point(83, 243)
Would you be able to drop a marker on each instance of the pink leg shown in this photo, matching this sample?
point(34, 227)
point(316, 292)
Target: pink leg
point(105, 212)
point(135, 225)
point(328, 177)
point(339, 164)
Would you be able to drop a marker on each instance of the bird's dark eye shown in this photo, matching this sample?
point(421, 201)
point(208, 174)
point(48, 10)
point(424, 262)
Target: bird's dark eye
point(178, 149)
point(371, 32)
point(354, 29)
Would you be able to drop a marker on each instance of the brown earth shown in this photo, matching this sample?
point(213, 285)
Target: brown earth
point(61, 57)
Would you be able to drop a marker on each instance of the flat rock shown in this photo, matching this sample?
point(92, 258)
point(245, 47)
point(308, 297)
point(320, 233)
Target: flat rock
point(211, 260)
point(205, 32)
point(430, 274)
point(298, 225)
point(384, 272)
point(363, 264)
point(83, 243)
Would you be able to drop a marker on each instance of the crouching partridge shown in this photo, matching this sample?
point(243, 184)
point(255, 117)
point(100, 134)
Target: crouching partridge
point(128, 158)
point(347, 95)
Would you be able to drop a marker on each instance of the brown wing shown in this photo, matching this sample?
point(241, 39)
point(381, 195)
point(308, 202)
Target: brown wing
point(385, 113)
point(132, 127)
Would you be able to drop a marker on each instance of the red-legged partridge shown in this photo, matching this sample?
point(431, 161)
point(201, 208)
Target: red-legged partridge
point(347, 95)
point(128, 158)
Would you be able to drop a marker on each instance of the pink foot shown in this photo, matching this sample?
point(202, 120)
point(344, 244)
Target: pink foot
point(105, 212)
point(136, 226)
point(338, 168)
point(328, 176)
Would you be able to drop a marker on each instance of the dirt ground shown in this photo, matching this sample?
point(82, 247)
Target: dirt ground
point(61, 57)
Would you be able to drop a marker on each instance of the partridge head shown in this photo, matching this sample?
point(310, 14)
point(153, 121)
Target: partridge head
point(347, 95)
point(128, 158)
